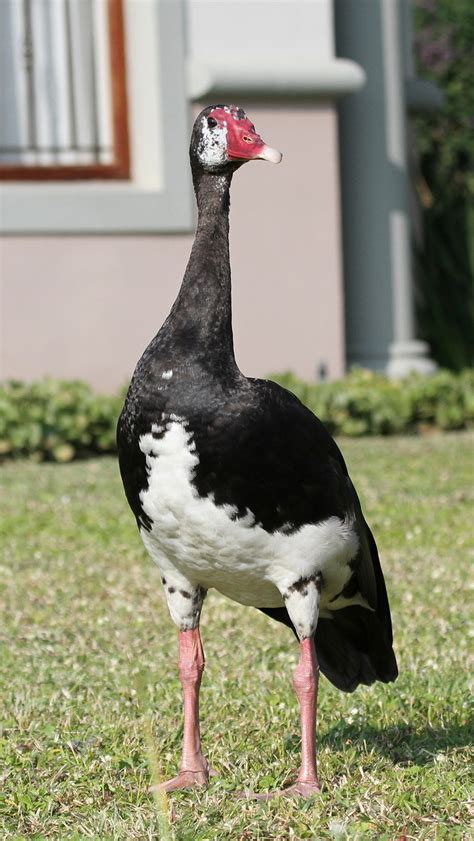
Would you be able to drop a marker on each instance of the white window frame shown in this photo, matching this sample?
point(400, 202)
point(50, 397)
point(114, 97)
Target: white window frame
point(158, 197)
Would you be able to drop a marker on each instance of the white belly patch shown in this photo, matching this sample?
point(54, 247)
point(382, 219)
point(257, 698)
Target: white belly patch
point(205, 544)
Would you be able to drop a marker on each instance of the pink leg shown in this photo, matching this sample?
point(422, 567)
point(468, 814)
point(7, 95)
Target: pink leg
point(194, 767)
point(305, 682)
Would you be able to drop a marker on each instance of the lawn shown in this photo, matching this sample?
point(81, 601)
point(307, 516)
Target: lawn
point(91, 700)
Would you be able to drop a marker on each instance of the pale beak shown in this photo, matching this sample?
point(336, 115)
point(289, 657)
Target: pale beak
point(266, 153)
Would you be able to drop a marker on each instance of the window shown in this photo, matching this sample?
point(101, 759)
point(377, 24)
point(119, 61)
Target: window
point(98, 197)
point(63, 112)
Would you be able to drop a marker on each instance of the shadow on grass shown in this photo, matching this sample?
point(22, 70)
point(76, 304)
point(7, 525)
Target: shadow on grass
point(403, 745)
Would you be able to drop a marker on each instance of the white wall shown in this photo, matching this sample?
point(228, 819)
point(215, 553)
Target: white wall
point(250, 27)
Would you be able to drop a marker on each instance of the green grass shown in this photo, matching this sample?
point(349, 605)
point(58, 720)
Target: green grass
point(91, 699)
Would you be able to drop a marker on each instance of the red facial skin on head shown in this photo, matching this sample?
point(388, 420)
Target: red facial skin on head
point(243, 142)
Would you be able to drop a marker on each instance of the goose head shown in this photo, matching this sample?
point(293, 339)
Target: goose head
point(224, 138)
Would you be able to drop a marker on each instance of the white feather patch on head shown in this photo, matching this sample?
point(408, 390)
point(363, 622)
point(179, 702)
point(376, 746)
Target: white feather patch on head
point(212, 149)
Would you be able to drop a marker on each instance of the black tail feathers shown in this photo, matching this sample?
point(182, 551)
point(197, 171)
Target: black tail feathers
point(352, 648)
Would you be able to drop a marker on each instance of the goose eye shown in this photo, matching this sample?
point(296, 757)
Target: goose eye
point(211, 122)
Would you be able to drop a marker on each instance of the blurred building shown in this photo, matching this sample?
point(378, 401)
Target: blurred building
point(97, 212)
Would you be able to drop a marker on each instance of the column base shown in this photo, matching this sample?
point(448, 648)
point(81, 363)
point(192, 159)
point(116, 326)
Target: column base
point(408, 357)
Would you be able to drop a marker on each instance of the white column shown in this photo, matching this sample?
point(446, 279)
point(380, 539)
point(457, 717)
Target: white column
point(380, 322)
point(405, 352)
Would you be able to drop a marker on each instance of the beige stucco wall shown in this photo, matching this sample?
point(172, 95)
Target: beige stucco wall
point(87, 306)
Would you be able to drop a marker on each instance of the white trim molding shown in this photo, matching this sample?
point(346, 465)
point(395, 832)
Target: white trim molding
point(292, 75)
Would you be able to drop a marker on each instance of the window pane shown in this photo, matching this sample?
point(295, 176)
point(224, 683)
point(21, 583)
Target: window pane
point(55, 107)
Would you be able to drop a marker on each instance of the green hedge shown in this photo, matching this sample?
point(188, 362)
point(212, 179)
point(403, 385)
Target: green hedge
point(60, 420)
point(365, 403)
point(57, 420)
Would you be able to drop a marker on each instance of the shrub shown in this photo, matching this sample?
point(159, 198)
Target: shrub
point(445, 258)
point(58, 420)
point(367, 403)
point(443, 42)
point(445, 401)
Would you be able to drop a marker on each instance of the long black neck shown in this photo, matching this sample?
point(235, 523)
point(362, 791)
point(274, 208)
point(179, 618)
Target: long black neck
point(200, 322)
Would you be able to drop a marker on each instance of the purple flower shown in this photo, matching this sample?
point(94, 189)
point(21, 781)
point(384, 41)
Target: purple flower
point(435, 51)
